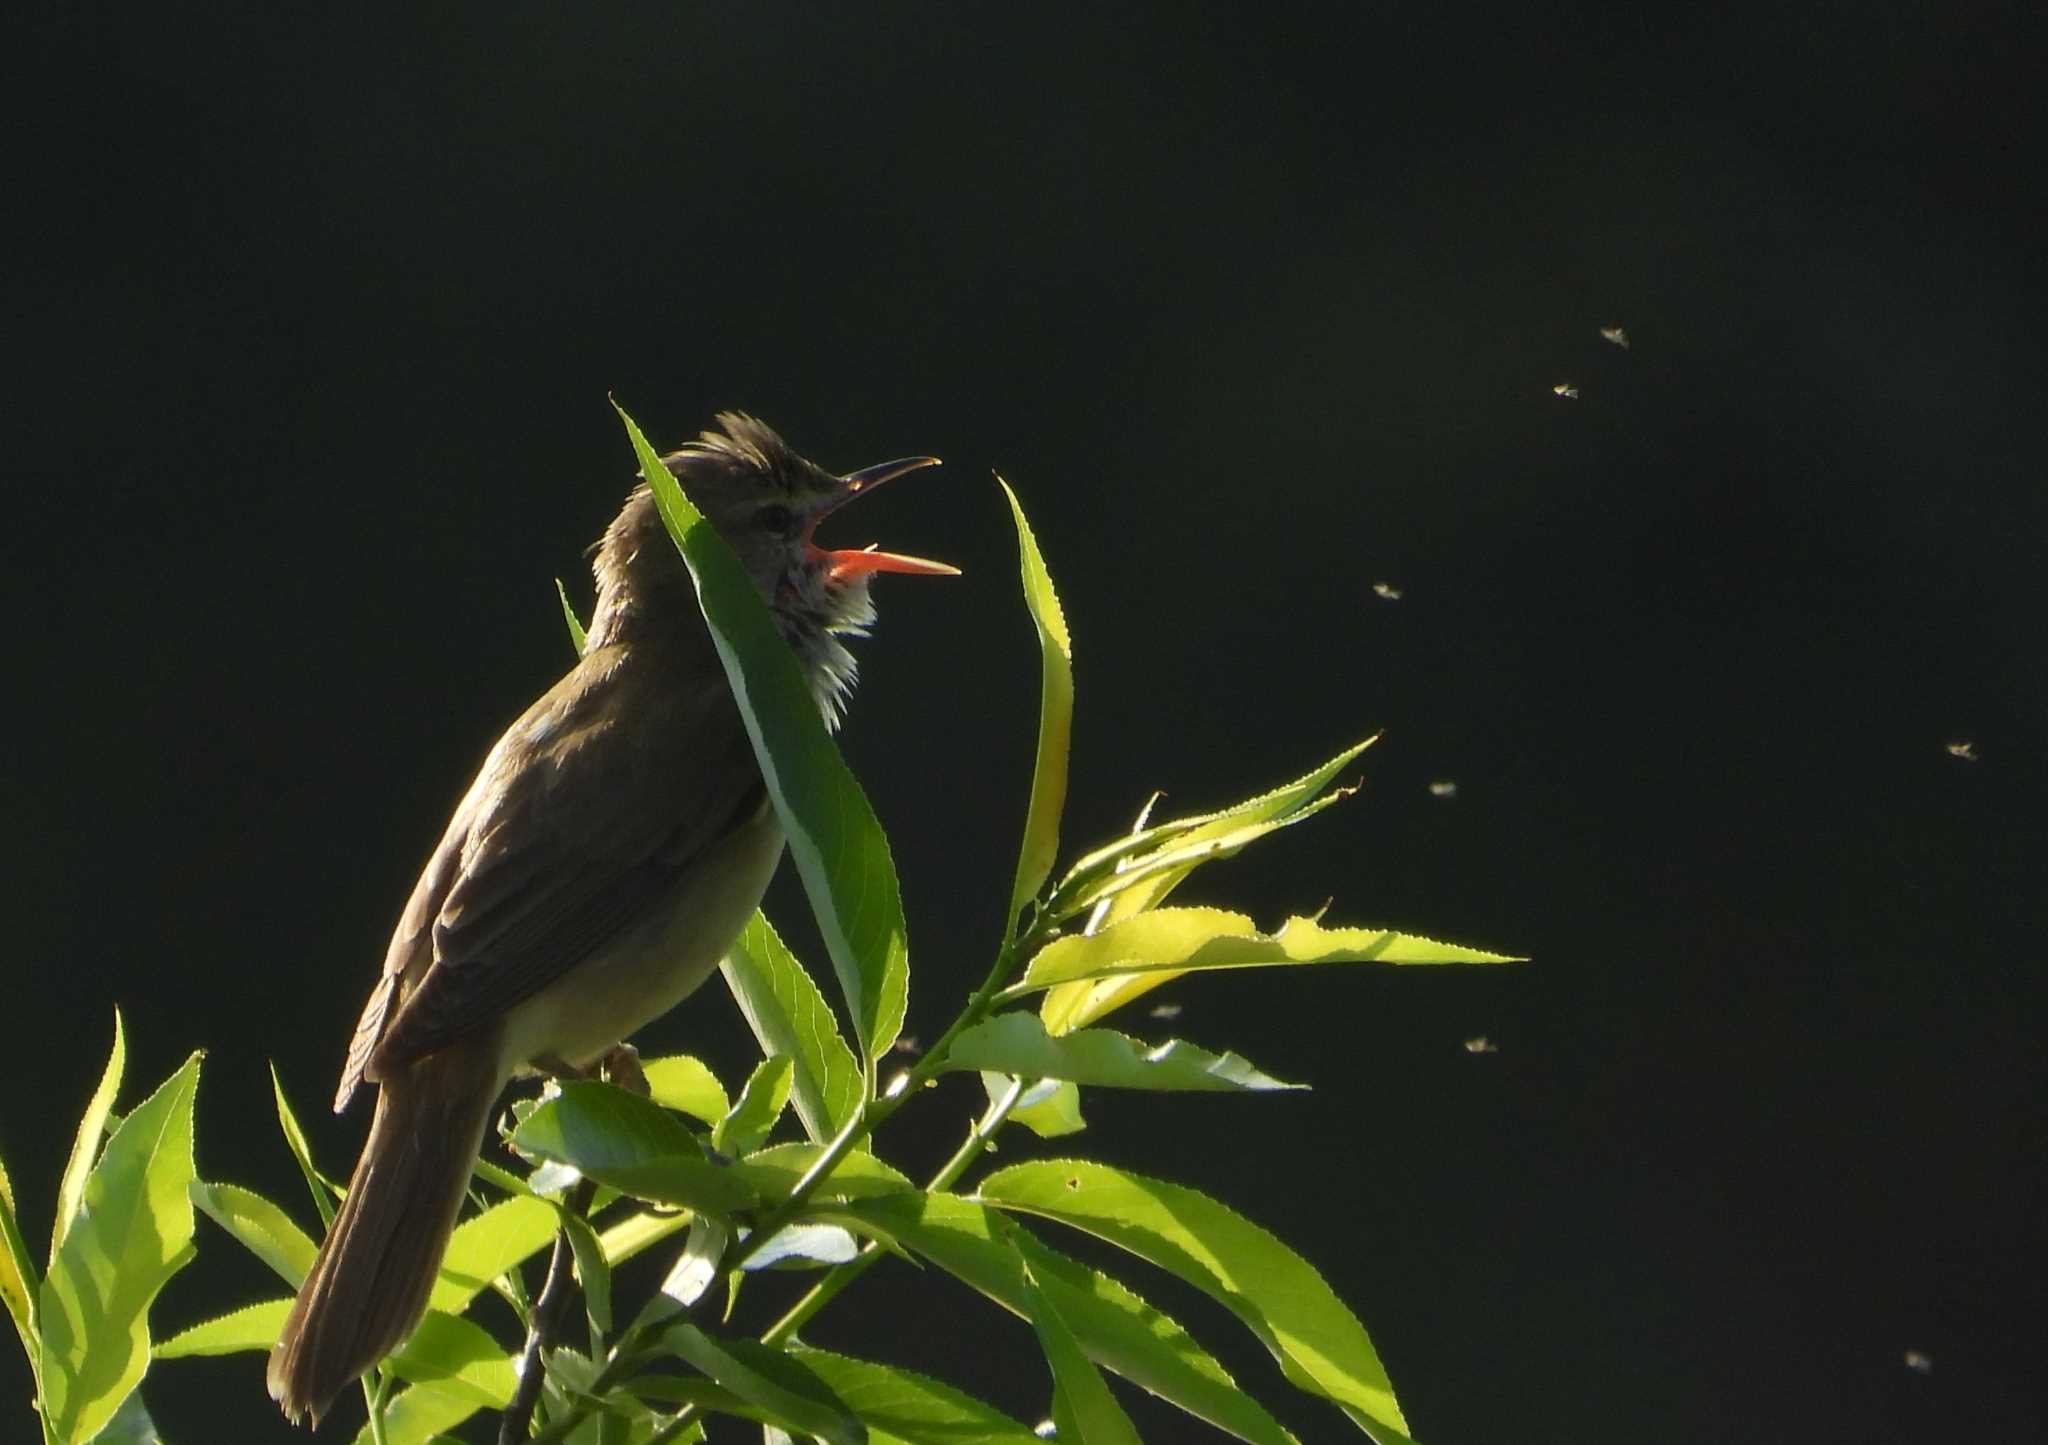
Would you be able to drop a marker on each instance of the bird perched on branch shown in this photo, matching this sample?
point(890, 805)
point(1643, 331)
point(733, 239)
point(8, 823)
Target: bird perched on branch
point(611, 848)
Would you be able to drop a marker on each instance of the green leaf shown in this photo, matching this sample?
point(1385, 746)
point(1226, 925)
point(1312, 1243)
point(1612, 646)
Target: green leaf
point(131, 1425)
point(1049, 1108)
point(760, 1104)
point(1083, 1410)
point(578, 636)
point(838, 845)
point(1017, 1043)
point(1185, 939)
point(789, 1016)
point(637, 1232)
point(592, 1272)
point(1090, 975)
point(686, 1084)
point(1321, 1346)
point(1137, 871)
point(423, 1413)
point(486, 1245)
point(252, 1327)
point(772, 1381)
point(133, 1232)
point(1041, 843)
point(318, 1185)
point(456, 1354)
point(908, 1406)
point(18, 1280)
point(693, 1272)
point(85, 1146)
point(1114, 1327)
point(804, 1246)
point(258, 1226)
point(773, 1172)
point(1376, 1430)
point(632, 1144)
point(714, 1399)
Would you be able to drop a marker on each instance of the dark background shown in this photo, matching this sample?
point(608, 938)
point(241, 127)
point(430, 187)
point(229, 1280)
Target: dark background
point(313, 320)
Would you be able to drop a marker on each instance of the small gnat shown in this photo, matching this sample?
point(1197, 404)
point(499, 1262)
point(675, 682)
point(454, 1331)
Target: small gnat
point(1386, 590)
point(1920, 1362)
point(1443, 788)
point(1481, 1044)
point(1962, 748)
point(1166, 1011)
point(1615, 335)
point(1566, 390)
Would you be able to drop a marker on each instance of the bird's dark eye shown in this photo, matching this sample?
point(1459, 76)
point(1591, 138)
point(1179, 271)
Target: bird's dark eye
point(776, 519)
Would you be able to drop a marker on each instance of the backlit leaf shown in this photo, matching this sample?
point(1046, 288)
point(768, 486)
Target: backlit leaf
point(1093, 974)
point(789, 1016)
point(834, 837)
point(133, 1231)
point(1321, 1346)
point(1041, 842)
point(1017, 1043)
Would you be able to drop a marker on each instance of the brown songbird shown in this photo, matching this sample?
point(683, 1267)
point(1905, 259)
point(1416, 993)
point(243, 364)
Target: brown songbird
point(614, 843)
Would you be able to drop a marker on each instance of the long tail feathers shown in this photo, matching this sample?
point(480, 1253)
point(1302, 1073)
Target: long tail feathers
point(369, 1285)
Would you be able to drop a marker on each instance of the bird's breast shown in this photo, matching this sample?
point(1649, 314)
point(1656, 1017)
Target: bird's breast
point(649, 968)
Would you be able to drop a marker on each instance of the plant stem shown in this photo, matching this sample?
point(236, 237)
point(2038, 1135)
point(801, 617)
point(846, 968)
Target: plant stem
point(632, 1347)
point(841, 1275)
point(542, 1322)
point(374, 1395)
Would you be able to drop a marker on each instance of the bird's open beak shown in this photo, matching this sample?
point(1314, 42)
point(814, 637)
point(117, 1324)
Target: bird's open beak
point(855, 562)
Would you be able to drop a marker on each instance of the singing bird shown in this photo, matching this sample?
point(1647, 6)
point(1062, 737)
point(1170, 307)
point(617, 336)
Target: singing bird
point(612, 846)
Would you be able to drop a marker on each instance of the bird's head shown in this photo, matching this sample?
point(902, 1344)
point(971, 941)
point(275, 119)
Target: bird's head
point(766, 501)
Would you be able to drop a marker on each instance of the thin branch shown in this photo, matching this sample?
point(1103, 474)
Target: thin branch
point(543, 1323)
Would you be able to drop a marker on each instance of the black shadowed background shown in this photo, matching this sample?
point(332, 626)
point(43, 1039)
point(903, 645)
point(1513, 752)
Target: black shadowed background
point(1733, 656)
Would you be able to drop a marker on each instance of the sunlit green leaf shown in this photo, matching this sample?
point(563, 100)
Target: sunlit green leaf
point(318, 1185)
point(1137, 871)
point(1017, 1043)
point(1116, 1328)
point(505, 1179)
point(133, 1231)
point(422, 1413)
point(834, 838)
point(760, 1104)
point(907, 1406)
point(18, 1279)
point(578, 636)
point(771, 1380)
point(773, 1172)
point(92, 1126)
point(486, 1245)
point(693, 1271)
point(258, 1226)
point(1049, 1108)
point(131, 1425)
point(1093, 974)
point(453, 1353)
point(632, 1144)
point(1319, 1343)
point(804, 1246)
point(1041, 843)
point(1083, 1410)
point(685, 1083)
point(627, 1237)
point(789, 1016)
point(1378, 1431)
point(252, 1327)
